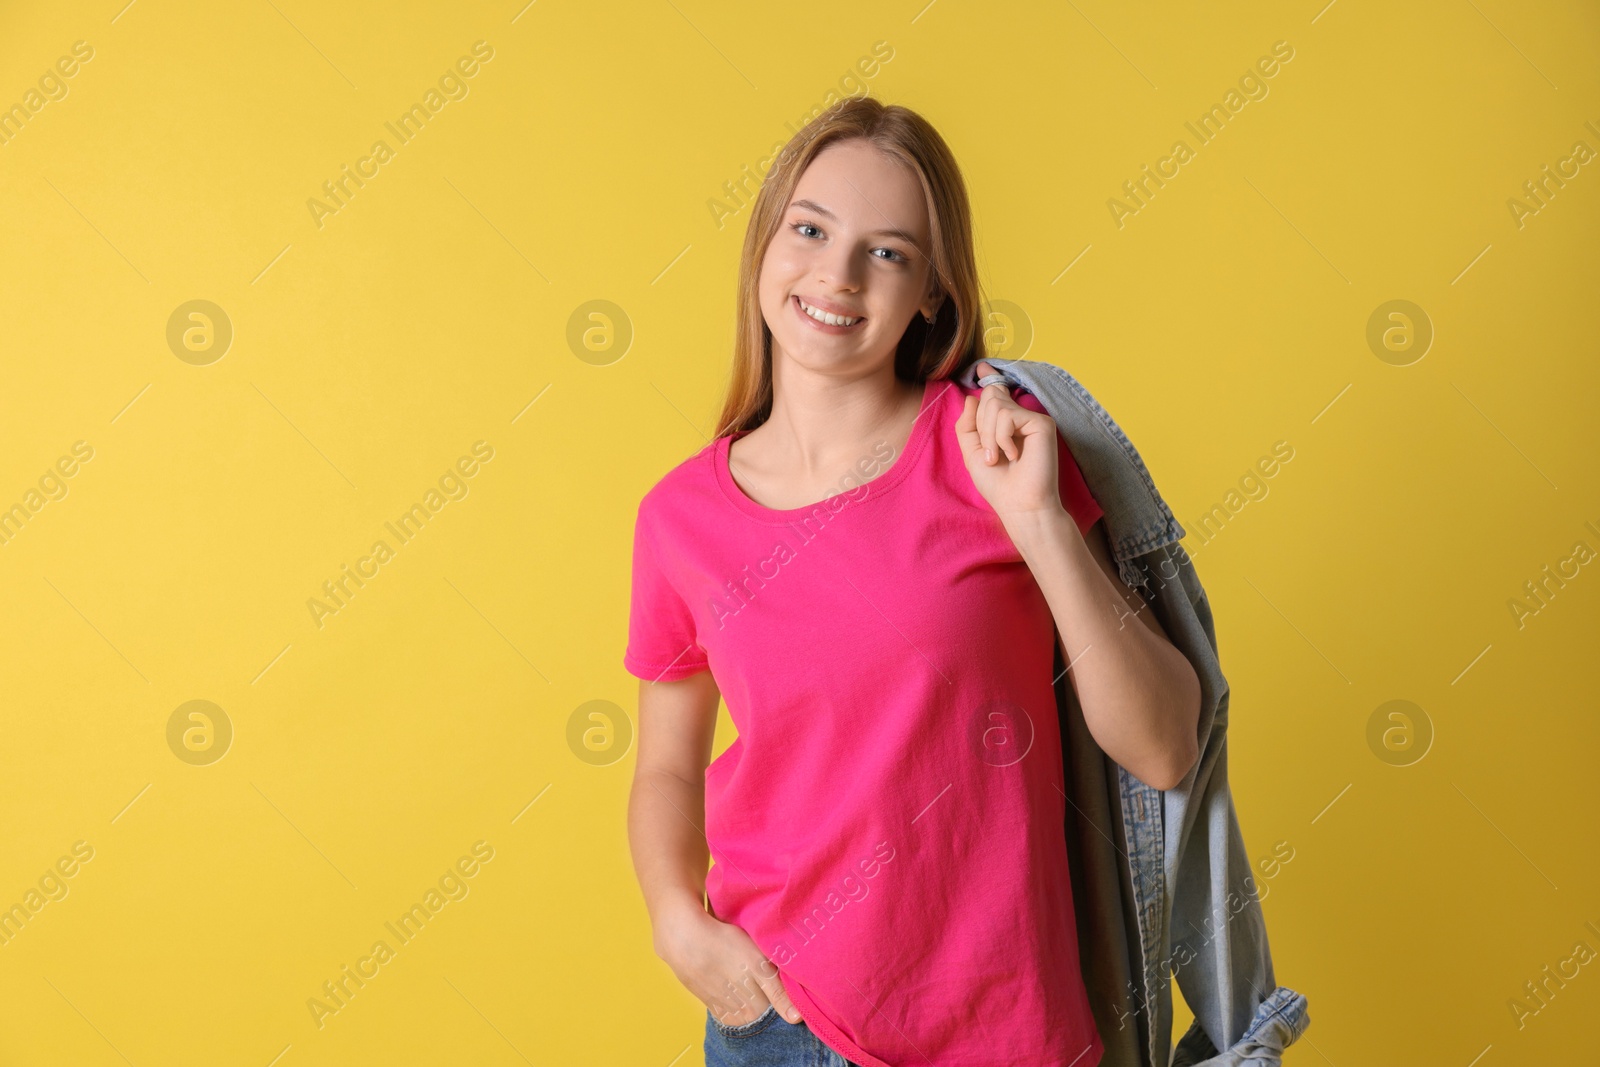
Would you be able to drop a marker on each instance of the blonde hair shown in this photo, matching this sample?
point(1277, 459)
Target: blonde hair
point(940, 350)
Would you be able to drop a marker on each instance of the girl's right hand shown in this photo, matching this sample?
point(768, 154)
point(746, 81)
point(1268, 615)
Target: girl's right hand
point(722, 966)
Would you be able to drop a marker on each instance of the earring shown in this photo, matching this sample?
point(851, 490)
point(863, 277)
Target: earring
point(929, 318)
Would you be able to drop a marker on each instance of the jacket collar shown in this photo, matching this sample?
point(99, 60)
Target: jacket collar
point(1137, 519)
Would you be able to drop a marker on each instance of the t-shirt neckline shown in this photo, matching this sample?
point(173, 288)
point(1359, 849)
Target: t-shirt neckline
point(921, 430)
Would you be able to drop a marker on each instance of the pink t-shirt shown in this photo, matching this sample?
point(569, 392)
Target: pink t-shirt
point(888, 826)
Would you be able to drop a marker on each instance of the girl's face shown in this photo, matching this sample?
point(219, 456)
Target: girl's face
point(853, 243)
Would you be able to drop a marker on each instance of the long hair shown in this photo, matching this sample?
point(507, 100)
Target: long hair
point(940, 350)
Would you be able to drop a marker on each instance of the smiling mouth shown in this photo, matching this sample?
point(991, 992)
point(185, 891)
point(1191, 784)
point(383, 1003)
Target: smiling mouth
point(828, 319)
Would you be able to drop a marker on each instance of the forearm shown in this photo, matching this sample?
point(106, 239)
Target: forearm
point(1139, 694)
point(666, 816)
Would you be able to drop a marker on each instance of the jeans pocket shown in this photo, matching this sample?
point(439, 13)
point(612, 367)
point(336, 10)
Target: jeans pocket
point(749, 1029)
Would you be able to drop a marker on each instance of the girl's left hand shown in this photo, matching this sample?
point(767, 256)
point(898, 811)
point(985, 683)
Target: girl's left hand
point(1010, 451)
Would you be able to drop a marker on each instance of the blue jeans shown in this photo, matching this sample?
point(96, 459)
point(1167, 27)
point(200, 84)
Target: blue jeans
point(769, 1041)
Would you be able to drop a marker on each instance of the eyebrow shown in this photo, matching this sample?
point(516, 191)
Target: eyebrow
point(812, 205)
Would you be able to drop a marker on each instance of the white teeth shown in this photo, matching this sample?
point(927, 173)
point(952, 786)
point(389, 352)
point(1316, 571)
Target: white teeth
point(823, 316)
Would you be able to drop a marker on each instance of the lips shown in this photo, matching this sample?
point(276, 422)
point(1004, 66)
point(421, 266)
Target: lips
point(830, 309)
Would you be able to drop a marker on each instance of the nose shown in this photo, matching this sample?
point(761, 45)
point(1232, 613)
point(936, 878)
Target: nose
point(838, 268)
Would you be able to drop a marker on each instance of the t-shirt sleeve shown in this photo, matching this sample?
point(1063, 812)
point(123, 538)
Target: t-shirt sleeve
point(662, 644)
point(1075, 495)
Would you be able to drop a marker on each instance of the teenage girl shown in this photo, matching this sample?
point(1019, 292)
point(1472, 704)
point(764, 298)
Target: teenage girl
point(871, 565)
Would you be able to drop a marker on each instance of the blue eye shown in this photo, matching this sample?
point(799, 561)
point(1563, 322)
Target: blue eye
point(892, 257)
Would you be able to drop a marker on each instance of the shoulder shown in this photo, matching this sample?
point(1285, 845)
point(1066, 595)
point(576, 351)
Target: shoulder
point(1026, 399)
point(682, 487)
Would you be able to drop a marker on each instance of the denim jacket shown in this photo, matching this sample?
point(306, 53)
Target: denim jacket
point(1161, 882)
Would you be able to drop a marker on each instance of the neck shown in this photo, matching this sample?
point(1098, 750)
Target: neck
point(820, 421)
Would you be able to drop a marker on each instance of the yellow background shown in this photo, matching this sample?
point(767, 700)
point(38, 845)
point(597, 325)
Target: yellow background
point(433, 710)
